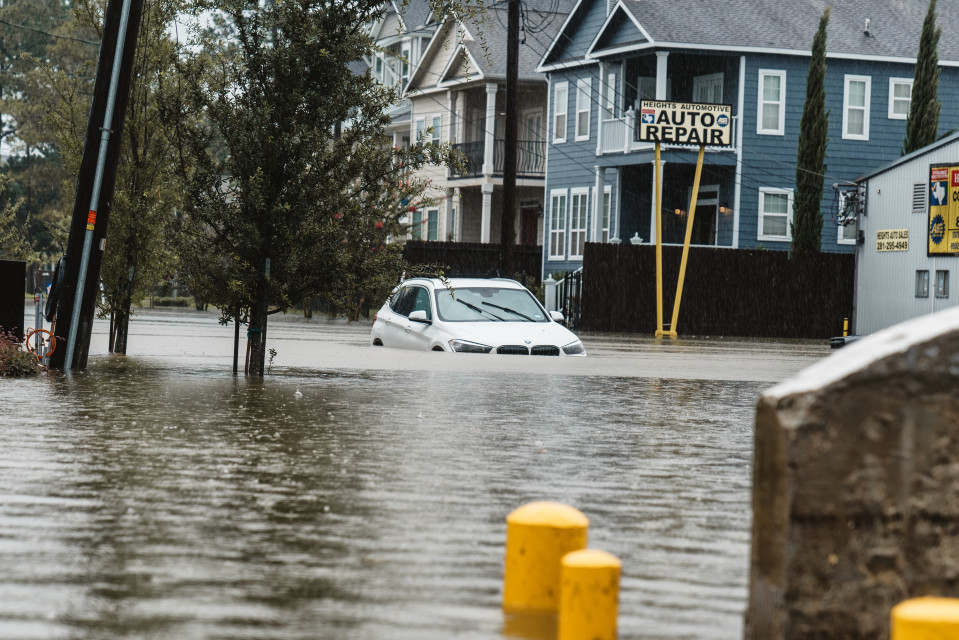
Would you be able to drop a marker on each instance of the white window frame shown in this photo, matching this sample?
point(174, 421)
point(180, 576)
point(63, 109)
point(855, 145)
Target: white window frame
point(432, 215)
point(893, 99)
point(781, 127)
point(557, 235)
point(942, 283)
point(789, 214)
point(922, 283)
point(843, 240)
point(560, 108)
point(576, 234)
point(419, 127)
point(584, 98)
point(867, 80)
point(406, 64)
point(436, 121)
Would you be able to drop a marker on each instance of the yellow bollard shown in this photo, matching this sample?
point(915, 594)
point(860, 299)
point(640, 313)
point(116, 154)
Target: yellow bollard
point(845, 327)
point(538, 535)
point(589, 595)
point(926, 619)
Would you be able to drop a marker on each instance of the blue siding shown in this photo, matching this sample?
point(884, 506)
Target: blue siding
point(621, 31)
point(572, 43)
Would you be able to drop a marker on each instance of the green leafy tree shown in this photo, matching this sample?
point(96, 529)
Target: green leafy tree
point(922, 125)
point(811, 154)
point(279, 206)
point(13, 232)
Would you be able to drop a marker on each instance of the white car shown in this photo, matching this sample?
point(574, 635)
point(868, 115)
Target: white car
point(471, 316)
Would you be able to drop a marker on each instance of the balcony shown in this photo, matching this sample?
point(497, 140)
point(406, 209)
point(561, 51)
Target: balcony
point(621, 135)
point(530, 158)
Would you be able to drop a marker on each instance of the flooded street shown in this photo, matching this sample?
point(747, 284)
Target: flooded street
point(157, 496)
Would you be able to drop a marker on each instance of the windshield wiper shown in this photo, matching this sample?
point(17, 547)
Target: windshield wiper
point(508, 310)
point(480, 311)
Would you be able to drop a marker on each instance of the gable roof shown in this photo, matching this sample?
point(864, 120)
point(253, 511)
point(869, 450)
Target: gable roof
point(483, 43)
point(781, 27)
point(909, 157)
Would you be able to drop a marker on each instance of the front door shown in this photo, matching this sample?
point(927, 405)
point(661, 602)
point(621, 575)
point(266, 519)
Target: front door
point(529, 225)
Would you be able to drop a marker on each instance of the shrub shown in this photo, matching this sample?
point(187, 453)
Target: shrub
point(15, 361)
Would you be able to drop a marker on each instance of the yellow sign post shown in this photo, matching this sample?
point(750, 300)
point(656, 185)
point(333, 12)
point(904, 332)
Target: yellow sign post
point(689, 235)
point(659, 247)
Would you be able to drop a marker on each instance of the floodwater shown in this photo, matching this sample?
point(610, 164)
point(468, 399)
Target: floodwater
point(157, 496)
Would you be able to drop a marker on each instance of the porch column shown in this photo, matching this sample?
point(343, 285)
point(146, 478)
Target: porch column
point(455, 216)
point(490, 131)
point(486, 220)
point(451, 130)
point(596, 232)
point(661, 74)
point(398, 139)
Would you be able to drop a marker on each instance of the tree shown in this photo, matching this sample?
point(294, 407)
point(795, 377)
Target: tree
point(146, 194)
point(922, 125)
point(811, 154)
point(278, 206)
point(13, 237)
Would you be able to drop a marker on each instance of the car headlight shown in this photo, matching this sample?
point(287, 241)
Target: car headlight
point(575, 349)
point(464, 346)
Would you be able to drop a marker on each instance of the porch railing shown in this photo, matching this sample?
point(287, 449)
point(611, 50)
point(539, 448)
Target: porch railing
point(530, 157)
point(621, 135)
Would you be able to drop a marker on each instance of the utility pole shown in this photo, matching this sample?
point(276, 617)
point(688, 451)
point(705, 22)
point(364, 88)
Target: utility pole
point(94, 193)
point(507, 233)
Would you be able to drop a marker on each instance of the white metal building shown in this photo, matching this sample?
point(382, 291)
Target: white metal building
point(898, 274)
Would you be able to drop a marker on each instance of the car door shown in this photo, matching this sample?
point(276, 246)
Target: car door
point(419, 335)
point(395, 321)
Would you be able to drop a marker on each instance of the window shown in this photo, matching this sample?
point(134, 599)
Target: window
point(379, 68)
point(405, 54)
point(775, 214)
point(646, 89)
point(708, 88)
point(583, 95)
point(922, 284)
point(416, 230)
point(855, 108)
point(900, 93)
point(452, 232)
point(919, 198)
point(437, 124)
point(942, 284)
point(771, 119)
point(557, 225)
point(432, 218)
point(560, 105)
point(609, 101)
point(421, 302)
point(578, 214)
point(420, 128)
point(847, 234)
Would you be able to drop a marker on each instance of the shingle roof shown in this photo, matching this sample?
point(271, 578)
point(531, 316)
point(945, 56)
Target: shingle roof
point(542, 28)
point(894, 25)
point(414, 12)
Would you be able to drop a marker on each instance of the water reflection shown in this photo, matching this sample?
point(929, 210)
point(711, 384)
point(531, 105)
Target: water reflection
point(141, 500)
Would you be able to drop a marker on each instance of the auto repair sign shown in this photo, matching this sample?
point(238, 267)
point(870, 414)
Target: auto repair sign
point(692, 123)
point(943, 229)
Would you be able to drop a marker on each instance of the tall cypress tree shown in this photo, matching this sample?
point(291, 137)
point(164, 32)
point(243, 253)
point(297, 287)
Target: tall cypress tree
point(922, 126)
point(811, 156)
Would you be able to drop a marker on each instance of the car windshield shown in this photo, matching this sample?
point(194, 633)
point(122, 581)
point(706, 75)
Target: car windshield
point(492, 304)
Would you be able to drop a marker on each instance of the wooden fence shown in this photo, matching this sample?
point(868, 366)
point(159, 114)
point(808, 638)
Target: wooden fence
point(726, 293)
point(474, 259)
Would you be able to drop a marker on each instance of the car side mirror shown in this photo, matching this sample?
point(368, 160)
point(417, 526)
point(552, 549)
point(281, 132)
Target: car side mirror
point(557, 316)
point(419, 316)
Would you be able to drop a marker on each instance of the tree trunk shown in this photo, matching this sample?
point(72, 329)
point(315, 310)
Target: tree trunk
point(122, 326)
point(257, 332)
point(308, 307)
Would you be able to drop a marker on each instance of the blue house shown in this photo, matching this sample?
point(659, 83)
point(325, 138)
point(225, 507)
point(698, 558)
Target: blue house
point(753, 55)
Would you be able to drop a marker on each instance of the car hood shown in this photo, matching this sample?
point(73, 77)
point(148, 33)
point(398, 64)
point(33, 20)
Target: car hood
point(495, 334)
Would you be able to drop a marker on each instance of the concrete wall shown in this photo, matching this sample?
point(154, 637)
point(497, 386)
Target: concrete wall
point(856, 486)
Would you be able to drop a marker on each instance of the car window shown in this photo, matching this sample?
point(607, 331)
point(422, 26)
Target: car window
point(421, 301)
point(402, 301)
point(492, 304)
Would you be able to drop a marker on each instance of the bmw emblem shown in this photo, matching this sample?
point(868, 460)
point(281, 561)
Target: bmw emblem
point(529, 342)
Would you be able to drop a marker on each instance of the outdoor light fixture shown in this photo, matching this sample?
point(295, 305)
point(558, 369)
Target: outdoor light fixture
point(679, 212)
point(725, 209)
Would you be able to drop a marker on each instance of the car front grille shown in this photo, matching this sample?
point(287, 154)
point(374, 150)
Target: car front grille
point(513, 350)
point(545, 350)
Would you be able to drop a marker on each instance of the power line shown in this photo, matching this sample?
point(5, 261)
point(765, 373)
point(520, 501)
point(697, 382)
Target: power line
point(47, 33)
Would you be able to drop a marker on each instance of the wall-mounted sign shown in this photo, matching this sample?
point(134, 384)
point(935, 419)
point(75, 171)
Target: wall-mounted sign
point(943, 230)
point(892, 240)
point(686, 123)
